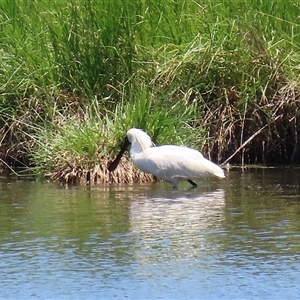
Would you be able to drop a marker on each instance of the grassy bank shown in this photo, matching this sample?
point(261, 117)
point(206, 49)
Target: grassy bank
point(220, 76)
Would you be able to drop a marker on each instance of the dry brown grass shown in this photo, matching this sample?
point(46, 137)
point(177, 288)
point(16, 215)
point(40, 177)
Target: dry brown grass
point(264, 133)
point(99, 174)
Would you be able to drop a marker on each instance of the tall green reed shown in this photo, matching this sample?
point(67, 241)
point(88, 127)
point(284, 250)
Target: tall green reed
point(88, 47)
point(226, 59)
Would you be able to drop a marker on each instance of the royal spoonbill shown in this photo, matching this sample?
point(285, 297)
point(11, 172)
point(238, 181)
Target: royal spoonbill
point(167, 162)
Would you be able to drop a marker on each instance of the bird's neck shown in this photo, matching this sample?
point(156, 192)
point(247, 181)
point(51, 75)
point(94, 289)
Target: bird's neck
point(138, 148)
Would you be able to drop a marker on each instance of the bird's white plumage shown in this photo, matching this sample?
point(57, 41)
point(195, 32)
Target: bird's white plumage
point(168, 162)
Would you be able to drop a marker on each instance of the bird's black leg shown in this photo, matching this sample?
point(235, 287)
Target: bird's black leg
point(194, 184)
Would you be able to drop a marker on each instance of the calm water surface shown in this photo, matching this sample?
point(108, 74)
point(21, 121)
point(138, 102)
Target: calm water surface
point(233, 239)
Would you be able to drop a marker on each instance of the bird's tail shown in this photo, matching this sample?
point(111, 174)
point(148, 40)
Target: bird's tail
point(216, 170)
point(219, 172)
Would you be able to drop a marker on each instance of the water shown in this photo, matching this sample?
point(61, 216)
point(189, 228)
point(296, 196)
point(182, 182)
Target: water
point(233, 239)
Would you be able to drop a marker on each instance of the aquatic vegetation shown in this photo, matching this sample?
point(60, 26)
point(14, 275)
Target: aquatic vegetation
point(220, 76)
point(79, 148)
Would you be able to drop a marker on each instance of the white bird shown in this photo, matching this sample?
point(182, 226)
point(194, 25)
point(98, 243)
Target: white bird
point(167, 162)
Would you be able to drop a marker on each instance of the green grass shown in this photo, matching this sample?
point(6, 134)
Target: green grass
point(90, 138)
point(75, 76)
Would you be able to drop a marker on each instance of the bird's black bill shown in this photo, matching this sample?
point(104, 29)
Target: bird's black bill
point(115, 163)
point(194, 184)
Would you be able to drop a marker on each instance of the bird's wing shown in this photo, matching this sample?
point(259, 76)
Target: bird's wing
point(180, 162)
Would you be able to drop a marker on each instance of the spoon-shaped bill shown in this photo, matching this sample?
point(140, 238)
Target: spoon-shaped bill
point(115, 163)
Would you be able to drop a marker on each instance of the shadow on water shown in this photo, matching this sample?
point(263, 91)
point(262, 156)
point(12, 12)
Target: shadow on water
point(230, 239)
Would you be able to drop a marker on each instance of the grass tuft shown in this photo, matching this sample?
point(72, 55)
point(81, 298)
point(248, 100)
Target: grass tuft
point(78, 149)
